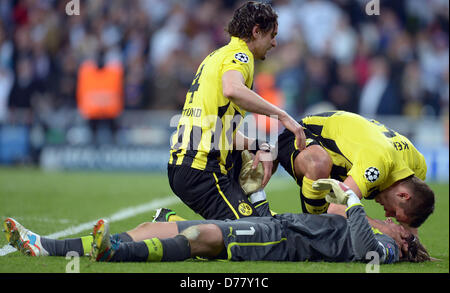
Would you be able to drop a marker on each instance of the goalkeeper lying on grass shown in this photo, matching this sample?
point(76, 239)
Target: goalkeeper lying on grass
point(283, 237)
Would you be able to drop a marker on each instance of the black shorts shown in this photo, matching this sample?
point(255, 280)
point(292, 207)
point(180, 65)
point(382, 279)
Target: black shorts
point(212, 195)
point(287, 150)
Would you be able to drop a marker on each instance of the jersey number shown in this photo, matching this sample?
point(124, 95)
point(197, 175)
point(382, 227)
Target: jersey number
point(195, 84)
point(389, 133)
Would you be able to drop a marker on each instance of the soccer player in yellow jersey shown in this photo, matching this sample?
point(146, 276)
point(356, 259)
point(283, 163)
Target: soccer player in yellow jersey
point(205, 149)
point(373, 160)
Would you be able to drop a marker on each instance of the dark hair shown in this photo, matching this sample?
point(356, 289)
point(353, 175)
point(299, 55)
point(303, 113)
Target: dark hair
point(250, 14)
point(421, 204)
point(416, 251)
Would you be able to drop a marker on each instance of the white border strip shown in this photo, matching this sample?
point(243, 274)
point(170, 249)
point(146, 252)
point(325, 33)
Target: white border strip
point(120, 215)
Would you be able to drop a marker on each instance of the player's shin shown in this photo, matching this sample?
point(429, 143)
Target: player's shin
point(154, 250)
point(56, 247)
point(313, 201)
point(82, 245)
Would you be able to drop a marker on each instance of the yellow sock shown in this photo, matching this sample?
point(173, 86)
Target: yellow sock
point(87, 244)
point(155, 249)
point(313, 200)
point(175, 218)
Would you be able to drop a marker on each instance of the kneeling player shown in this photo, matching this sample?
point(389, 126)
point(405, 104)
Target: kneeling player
point(373, 160)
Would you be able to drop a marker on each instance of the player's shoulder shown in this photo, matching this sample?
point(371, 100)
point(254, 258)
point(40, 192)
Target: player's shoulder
point(239, 56)
point(391, 252)
point(228, 54)
point(237, 50)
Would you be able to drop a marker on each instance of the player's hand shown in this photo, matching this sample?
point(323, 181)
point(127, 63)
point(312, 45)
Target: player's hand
point(338, 189)
point(265, 158)
point(294, 127)
point(396, 232)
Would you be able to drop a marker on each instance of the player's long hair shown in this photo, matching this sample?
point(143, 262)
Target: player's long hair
point(250, 14)
point(416, 251)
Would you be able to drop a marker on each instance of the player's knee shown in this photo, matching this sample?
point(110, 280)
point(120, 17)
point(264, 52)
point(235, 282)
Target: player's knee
point(205, 239)
point(144, 226)
point(210, 234)
point(191, 233)
point(314, 163)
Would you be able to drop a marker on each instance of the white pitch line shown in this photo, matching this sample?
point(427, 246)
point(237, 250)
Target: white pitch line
point(128, 213)
point(120, 215)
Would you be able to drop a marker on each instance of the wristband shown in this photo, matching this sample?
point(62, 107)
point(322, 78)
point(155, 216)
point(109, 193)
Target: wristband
point(353, 199)
point(260, 146)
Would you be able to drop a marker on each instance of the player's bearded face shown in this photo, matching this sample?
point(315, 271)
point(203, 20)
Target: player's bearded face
point(391, 206)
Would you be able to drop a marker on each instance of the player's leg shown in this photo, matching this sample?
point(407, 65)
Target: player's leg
point(23, 239)
point(197, 240)
point(166, 215)
point(192, 186)
point(250, 181)
point(227, 200)
point(254, 239)
point(205, 240)
point(148, 230)
point(247, 183)
point(306, 166)
point(309, 165)
point(212, 195)
point(33, 244)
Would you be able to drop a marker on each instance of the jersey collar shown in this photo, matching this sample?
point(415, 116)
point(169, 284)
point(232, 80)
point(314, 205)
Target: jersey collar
point(235, 41)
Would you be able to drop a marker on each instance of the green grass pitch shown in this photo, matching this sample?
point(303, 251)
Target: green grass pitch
point(49, 202)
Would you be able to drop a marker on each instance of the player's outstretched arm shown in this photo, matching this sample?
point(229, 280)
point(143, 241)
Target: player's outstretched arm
point(339, 209)
point(396, 232)
point(362, 235)
point(203, 240)
point(233, 87)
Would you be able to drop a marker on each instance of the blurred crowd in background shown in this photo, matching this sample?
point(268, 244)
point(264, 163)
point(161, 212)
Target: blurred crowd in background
point(329, 53)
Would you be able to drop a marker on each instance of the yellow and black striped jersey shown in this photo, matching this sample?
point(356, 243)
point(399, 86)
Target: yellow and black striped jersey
point(374, 155)
point(209, 120)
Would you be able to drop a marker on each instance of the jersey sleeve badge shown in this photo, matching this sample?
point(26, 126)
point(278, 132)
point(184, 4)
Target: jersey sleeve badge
point(372, 174)
point(241, 57)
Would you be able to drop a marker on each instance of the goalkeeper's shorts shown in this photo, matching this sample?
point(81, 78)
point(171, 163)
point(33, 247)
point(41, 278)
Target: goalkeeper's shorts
point(253, 239)
point(210, 194)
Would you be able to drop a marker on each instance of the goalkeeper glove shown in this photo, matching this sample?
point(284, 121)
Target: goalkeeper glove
point(340, 194)
point(250, 179)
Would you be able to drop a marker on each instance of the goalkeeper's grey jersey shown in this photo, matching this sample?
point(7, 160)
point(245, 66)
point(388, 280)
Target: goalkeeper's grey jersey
point(301, 237)
point(329, 237)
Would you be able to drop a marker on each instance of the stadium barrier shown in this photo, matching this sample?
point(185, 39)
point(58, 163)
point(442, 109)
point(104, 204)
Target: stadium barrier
point(141, 139)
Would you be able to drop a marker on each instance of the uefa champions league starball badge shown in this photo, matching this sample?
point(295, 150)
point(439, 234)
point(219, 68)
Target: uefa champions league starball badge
point(372, 174)
point(242, 57)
